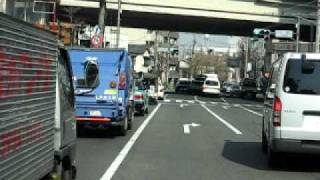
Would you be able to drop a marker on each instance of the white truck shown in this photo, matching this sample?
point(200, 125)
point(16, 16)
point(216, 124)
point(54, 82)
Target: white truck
point(37, 123)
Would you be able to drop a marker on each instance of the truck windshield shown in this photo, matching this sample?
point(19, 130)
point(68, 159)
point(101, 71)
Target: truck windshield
point(296, 81)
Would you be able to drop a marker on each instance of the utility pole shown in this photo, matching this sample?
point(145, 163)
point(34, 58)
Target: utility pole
point(102, 16)
point(297, 34)
point(118, 23)
point(167, 60)
point(318, 28)
point(246, 57)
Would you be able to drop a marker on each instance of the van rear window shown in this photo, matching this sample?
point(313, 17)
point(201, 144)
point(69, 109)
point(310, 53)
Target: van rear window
point(212, 83)
point(297, 81)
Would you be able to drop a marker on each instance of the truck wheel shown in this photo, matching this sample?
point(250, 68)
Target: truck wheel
point(124, 127)
point(64, 173)
point(130, 124)
point(80, 130)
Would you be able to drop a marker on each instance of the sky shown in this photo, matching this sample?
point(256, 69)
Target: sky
point(186, 39)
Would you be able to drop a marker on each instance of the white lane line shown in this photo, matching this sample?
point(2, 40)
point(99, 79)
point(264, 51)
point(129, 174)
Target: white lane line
point(214, 103)
point(124, 152)
point(190, 101)
point(167, 100)
point(179, 101)
point(230, 126)
point(251, 111)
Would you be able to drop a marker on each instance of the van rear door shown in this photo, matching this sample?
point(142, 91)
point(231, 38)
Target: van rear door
point(300, 98)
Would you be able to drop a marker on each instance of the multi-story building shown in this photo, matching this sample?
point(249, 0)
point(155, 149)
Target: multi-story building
point(37, 12)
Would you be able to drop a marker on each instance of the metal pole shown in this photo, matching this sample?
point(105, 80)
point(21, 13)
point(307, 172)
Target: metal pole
point(118, 23)
point(102, 16)
point(246, 58)
point(297, 34)
point(318, 28)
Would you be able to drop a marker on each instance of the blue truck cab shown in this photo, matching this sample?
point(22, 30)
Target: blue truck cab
point(104, 85)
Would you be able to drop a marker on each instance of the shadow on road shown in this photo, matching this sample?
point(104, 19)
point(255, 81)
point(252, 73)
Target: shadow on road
point(109, 133)
point(250, 154)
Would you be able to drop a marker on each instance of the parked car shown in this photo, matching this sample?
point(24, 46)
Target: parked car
point(232, 90)
point(196, 87)
point(225, 85)
point(291, 119)
point(183, 86)
point(152, 94)
point(141, 99)
point(160, 91)
point(248, 87)
point(211, 86)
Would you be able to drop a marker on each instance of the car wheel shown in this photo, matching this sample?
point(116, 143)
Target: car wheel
point(264, 142)
point(80, 130)
point(124, 128)
point(273, 158)
point(147, 111)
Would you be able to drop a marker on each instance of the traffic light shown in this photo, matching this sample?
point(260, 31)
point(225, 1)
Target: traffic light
point(262, 33)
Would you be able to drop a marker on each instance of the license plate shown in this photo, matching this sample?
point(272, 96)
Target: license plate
point(95, 113)
point(311, 122)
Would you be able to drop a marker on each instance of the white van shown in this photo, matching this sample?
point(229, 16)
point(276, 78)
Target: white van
point(291, 119)
point(211, 86)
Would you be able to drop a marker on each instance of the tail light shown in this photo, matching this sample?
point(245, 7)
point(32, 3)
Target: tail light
point(277, 108)
point(138, 97)
point(123, 79)
point(204, 87)
point(113, 84)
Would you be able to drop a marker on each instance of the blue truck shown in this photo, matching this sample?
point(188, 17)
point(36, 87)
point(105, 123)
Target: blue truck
point(104, 85)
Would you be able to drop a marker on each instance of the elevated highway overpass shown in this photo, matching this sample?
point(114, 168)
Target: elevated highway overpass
point(229, 17)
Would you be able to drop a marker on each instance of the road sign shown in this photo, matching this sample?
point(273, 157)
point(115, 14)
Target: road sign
point(97, 40)
point(186, 127)
point(283, 34)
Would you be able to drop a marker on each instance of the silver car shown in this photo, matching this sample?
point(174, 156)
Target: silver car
point(291, 119)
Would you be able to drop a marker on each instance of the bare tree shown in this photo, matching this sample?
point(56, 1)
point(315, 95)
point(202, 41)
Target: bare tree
point(206, 63)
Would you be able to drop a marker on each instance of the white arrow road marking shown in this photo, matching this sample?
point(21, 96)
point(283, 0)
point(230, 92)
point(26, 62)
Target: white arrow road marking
point(226, 107)
point(183, 105)
point(186, 127)
point(226, 123)
point(124, 152)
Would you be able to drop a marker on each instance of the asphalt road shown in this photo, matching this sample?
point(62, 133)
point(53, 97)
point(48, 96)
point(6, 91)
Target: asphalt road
point(225, 145)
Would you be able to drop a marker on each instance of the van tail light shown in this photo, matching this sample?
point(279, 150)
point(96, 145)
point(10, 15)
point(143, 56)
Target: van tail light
point(138, 97)
point(277, 108)
point(204, 87)
point(122, 83)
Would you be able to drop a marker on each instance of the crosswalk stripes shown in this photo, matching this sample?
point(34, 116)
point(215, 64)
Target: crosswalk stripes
point(213, 103)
